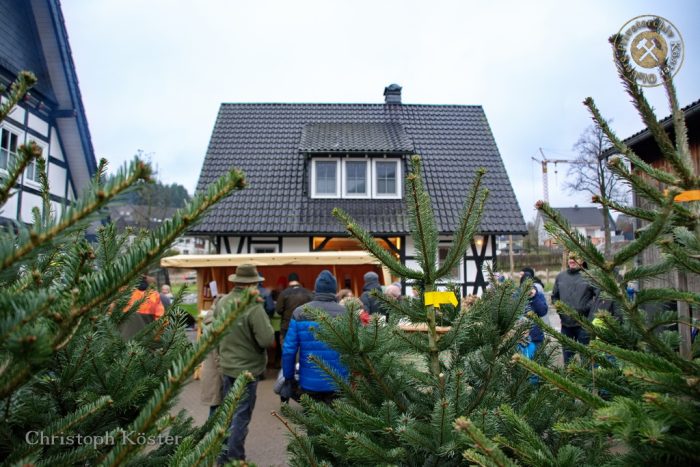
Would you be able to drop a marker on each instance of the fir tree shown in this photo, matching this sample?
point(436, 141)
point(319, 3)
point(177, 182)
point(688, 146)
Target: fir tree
point(73, 391)
point(640, 376)
point(435, 396)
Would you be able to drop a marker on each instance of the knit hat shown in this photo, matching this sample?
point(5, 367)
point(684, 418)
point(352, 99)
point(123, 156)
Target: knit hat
point(529, 272)
point(371, 277)
point(326, 283)
point(293, 277)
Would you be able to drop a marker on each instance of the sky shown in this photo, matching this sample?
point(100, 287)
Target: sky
point(154, 73)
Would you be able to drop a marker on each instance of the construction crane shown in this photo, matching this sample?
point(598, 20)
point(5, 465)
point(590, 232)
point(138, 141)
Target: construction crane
point(545, 181)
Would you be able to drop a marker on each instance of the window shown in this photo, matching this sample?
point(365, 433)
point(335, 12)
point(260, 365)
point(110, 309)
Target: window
point(31, 172)
point(8, 147)
point(387, 181)
point(325, 182)
point(355, 178)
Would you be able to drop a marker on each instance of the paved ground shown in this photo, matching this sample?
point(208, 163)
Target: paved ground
point(266, 444)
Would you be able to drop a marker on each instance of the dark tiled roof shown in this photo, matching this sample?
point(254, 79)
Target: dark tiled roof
point(355, 137)
point(264, 139)
point(584, 216)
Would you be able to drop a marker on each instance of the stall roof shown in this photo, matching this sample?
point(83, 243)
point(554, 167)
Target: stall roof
point(270, 259)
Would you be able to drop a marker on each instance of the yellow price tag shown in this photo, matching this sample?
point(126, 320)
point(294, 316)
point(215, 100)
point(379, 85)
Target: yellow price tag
point(690, 195)
point(438, 298)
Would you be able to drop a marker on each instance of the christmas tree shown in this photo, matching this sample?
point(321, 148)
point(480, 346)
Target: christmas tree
point(73, 390)
point(434, 382)
point(640, 375)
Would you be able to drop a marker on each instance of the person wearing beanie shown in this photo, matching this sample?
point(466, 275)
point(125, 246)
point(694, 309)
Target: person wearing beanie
point(529, 273)
point(289, 300)
point(301, 339)
point(370, 303)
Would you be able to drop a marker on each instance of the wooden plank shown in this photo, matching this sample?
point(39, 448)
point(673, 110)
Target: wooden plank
point(270, 259)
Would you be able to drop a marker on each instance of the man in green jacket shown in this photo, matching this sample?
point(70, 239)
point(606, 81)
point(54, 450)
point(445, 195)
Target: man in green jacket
point(243, 348)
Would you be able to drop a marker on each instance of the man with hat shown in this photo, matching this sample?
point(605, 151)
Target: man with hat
point(243, 348)
point(290, 299)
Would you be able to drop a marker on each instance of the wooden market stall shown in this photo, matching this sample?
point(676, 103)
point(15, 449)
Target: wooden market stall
point(213, 270)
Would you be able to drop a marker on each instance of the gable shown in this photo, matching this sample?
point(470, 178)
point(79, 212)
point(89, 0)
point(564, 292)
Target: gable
point(267, 141)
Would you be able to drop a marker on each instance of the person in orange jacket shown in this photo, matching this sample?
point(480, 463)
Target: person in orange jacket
point(151, 307)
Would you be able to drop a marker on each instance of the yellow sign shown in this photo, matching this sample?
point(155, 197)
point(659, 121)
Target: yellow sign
point(690, 195)
point(439, 298)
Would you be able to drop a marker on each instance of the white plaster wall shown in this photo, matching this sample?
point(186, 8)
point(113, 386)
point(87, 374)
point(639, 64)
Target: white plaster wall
point(295, 244)
point(55, 149)
point(38, 124)
point(57, 179)
point(9, 209)
point(17, 113)
point(29, 201)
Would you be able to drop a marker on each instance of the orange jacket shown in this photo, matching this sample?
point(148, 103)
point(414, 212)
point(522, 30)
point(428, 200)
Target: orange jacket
point(150, 306)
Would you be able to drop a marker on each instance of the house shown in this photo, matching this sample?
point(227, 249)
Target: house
point(644, 145)
point(302, 160)
point(588, 221)
point(33, 37)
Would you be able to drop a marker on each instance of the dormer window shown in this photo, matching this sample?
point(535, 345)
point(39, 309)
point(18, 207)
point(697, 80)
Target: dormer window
point(353, 177)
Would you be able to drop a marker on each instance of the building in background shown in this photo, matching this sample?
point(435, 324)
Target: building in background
point(588, 221)
point(302, 160)
point(33, 37)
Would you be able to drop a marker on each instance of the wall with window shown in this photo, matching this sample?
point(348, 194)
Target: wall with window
point(356, 177)
point(21, 127)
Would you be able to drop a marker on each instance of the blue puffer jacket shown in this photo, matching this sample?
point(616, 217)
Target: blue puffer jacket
point(300, 338)
point(538, 304)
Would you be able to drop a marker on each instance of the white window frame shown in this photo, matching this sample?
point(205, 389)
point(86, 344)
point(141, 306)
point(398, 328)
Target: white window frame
point(368, 178)
point(20, 138)
point(264, 249)
point(338, 177)
point(33, 165)
point(399, 178)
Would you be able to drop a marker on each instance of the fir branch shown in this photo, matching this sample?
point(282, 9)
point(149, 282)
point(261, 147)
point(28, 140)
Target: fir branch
point(494, 455)
point(15, 168)
point(648, 236)
point(560, 382)
point(422, 220)
point(306, 447)
point(181, 369)
point(468, 223)
point(528, 440)
point(24, 82)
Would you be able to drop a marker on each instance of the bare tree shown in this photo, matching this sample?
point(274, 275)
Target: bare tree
point(589, 172)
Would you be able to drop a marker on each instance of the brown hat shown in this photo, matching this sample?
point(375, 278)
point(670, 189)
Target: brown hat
point(246, 274)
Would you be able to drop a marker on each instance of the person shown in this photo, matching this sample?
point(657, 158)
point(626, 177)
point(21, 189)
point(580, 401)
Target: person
point(370, 303)
point(537, 303)
point(301, 339)
point(289, 300)
point(529, 273)
point(343, 295)
point(572, 288)
point(243, 349)
point(166, 296)
point(210, 377)
point(268, 301)
point(151, 306)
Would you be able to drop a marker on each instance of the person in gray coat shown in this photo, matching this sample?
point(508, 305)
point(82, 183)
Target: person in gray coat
point(371, 304)
point(574, 289)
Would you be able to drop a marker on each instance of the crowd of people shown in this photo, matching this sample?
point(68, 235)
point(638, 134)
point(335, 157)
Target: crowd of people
point(281, 322)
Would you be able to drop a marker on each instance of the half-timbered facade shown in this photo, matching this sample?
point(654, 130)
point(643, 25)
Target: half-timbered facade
point(33, 38)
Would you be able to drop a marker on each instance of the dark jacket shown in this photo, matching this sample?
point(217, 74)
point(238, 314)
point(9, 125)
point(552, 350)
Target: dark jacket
point(268, 302)
point(300, 338)
point(371, 304)
point(572, 288)
point(289, 300)
point(538, 304)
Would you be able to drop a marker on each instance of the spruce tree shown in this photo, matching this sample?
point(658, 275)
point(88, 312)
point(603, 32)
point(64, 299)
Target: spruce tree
point(639, 375)
point(433, 397)
point(73, 391)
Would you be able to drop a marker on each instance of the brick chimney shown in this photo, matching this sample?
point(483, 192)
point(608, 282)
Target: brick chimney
point(392, 94)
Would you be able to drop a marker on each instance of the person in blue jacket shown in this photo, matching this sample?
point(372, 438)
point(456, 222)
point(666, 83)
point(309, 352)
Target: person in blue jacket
point(300, 339)
point(536, 302)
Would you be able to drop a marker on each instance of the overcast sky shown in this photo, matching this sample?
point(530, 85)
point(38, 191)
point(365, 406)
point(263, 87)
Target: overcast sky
point(153, 73)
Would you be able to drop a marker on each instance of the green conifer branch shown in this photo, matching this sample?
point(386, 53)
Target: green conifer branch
point(422, 221)
point(489, 449)
point(528, 441)
point(560, 382)
point(15, 168)
point(649, 235)
point(301, 442)
point(24, 82)
point(181, 369)
point(468, 223)
point(370, 244)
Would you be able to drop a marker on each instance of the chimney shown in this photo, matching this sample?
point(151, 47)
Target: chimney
point(392, 94)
